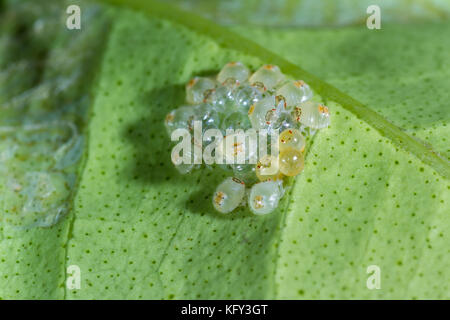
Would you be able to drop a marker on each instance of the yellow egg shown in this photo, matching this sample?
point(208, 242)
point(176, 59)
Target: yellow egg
point(292, 138)
point(267, 169)
point(291, 162)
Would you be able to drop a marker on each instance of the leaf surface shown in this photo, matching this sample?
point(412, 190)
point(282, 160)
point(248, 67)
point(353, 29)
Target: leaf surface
point(138, 229)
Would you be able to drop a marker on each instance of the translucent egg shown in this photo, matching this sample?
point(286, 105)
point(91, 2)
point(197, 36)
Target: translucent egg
point(235, 120)
point(208, 115)
point(193, 157)
point(233, 70)
point(246, 95)
point(245, 172)
point(267, 168)
point(263, 113)
point(313, 114)
point(295, 92)
point(291, 162)
point(292, 138)
point(196, 88)
point(182, 117)
point(228, 195)
point(259, 86)
point(235, 148)
point(231, 84)
point(283, 122)
point(264, 197)
point(269, 75)
point(281, 188)
point(222, 98)
point(297, 113)
point(184, 168)
point(280, 102)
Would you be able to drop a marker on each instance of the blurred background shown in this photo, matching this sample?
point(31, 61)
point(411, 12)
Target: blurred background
point(313, 13)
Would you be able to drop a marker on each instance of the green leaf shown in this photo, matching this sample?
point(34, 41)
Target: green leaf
point(234, 41)
point(370, 194)
point(408, 88)
point(339, 207)
point(313, 13)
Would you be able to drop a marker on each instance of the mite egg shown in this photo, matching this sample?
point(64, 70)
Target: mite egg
point(228, 195)
point(291, 162)
point(267, 168)
point(263, 113)
point(196, 87)
point(292, 138)
point(269, 75)
point(264, 197)
point(314, 115)
point(295, 92)
point(235, 71)
point(234, 109)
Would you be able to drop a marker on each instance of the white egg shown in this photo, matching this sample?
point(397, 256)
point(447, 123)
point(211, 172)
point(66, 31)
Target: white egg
point(313, 115)
point(264, 197)
point(233, 70)
point(228, 195)
point(196, 88)
point(295, 92)
point(269, 75)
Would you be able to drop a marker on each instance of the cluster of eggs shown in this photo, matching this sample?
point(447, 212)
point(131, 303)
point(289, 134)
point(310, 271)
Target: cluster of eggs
point(237, 99)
